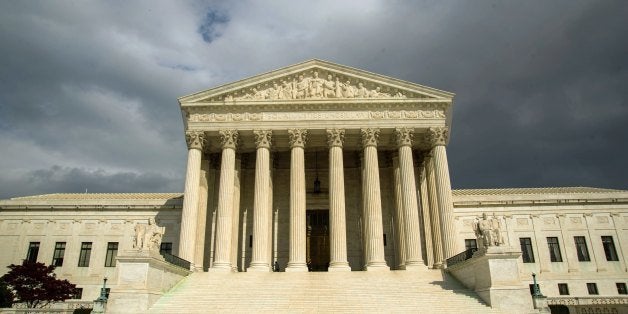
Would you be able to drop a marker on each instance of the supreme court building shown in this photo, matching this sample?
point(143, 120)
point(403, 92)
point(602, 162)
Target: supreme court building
point(321, 168)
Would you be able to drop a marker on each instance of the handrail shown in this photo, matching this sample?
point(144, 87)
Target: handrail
point(175, 260)
point(461, 257)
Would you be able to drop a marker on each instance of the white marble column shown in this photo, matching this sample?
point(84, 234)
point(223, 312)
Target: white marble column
point(201, 221)
point(413, 259)
point(434, 210)
point(222, 255)
point(425, 210)
point(261, 206)
point(189, 214)
point(337, 217)
point(438, 139)
point(297, 254)
point(374, 237)
point(235, 212)
point(400, 248)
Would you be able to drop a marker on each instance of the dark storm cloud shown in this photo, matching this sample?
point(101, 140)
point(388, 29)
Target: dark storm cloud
point(88, 90)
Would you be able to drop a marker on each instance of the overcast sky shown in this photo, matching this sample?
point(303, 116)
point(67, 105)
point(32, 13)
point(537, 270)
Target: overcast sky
point(88, 90)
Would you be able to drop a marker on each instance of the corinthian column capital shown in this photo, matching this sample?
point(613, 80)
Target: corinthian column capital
point(335, 137)
point(263, 138)
point(370, 137)
point(298, 137)
point(229, 138)
point(404, 136)
point(437, 136)
point(195, 139)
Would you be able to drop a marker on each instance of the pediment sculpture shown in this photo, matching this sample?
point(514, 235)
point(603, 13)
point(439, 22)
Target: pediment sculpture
point(310, 85)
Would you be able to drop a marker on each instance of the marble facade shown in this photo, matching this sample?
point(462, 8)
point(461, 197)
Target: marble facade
point(319, 166)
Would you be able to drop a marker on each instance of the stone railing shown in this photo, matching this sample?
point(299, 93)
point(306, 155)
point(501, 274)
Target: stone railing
point(587, 300)
point(461, 257)
point(175, 260)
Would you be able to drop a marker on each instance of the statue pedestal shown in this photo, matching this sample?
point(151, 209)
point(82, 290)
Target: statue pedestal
point(493, 273)
point(143, 277)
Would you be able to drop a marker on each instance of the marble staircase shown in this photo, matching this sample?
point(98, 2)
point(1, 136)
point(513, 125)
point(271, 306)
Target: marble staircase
point(426, 291)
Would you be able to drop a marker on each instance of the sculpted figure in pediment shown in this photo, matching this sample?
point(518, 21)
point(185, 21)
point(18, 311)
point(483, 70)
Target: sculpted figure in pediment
point(316, 86)
point(286, 90)
point(361, 91)
point(329, 87)
point(275, 92)
point(348, 91)
point(302, 87)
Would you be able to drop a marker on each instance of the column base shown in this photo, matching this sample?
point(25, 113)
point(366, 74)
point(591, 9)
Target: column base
point(258, 268)
point(377, 267)
point(221, 267)
point(412, 267)
point(296, 268)
point(437, 266)
point(339, 267)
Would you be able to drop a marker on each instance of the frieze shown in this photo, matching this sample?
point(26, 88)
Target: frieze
point(319, 115)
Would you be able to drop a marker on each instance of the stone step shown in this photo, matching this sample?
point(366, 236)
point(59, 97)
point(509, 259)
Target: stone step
point(425, 291)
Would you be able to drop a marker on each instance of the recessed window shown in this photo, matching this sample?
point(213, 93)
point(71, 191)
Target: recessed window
point(112, 252)
point(33, 251)
point(563, 289)
point(166, 247)
point(609, 248)
point(621, 288)
point(554, 249)
point(78, 293)
point(592, 288)
point(470, 244)
point(581, 249)
point(526, 249)
point(57, 256)
point(85, 254)
point(384, 239)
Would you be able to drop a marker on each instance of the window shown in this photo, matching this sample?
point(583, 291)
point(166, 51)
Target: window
point(563, 289)
point(166, 247)
point(86, 252)
point(609, 248)
point(33, 251)
point(581, 249)
point(526, 249)
point(621, 288)
point(78, 294)
point(592, 288)
point(554, 249)
point(57, 257)
point(470, 244)
point(384, 239)
point(112, 252)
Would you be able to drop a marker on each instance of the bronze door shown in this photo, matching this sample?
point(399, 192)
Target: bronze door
point(318, 240)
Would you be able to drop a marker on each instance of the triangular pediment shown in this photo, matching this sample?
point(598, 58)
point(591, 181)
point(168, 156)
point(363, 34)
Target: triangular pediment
point(316, 80)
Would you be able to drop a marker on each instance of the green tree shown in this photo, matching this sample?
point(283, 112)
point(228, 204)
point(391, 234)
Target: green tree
point(6, 295)
point(36, 284)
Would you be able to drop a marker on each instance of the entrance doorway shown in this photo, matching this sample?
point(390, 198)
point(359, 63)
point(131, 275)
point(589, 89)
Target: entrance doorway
point(317, 240)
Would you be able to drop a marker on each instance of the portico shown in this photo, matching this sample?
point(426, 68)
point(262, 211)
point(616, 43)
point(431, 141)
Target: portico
point(375, 146)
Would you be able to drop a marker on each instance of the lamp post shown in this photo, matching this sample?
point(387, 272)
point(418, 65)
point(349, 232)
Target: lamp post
point(536, 290)
point(101, 303)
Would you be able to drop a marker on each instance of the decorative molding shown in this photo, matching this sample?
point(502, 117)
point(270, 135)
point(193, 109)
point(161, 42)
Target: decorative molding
point(263, 138)
point(229, 138)
point(370, 137)
point(319, 115)
point(437, 136)
point(404, 136)
point(298, 137)
point(335, 137)
point(195, 139)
